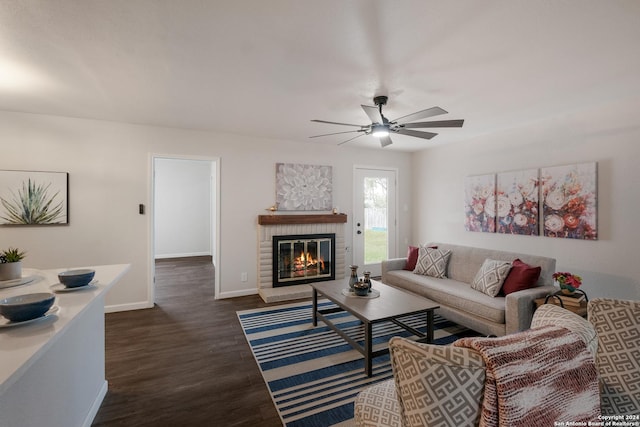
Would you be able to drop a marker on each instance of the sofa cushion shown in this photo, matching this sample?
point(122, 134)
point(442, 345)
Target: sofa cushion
point(522, 276)
point(490, 276)
point(465, 261)
point(437, 385)
point(451, 293)
point(432, 262)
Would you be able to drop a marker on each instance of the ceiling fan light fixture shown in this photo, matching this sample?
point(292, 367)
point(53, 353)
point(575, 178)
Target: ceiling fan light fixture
point(379, 131)
point(381, 127)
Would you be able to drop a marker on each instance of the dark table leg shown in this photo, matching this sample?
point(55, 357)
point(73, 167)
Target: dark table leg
point(368, 349)
point(314, 315)
point(429, 326)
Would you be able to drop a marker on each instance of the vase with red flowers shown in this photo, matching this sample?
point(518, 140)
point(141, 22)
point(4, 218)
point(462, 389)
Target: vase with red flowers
point(568, 282)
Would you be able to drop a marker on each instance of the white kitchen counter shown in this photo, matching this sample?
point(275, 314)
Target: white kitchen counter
point(52, 370)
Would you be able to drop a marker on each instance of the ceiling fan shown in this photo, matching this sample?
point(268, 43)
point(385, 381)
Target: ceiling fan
point(381, 127)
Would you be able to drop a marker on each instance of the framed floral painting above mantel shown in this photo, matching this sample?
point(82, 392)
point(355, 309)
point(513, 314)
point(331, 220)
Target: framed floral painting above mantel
point(301, 187)
point(34, 198)
point(569, 201)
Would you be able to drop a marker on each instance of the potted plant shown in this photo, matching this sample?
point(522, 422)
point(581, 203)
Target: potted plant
point(11, 264)
point(568, 282)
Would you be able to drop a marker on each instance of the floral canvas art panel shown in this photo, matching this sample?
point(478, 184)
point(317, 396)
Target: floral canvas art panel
point(302, 187)
point(517, 209)
point(33, 198)
point(569, 201)
point(480, 203)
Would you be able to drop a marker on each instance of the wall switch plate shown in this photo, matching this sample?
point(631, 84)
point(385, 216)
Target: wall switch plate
point(244, 277)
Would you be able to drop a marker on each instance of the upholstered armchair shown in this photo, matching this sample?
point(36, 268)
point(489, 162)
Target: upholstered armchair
point(443, 385)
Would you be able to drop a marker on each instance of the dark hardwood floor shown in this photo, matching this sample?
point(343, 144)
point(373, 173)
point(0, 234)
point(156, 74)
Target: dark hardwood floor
point(186, 361)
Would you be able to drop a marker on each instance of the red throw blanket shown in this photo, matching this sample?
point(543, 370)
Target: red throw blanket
point(537, 377)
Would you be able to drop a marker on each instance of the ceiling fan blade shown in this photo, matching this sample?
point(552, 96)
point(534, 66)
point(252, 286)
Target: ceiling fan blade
point(336, 123)
point(417, 134)
point(335, 133)
point(351, 139)
point(373, 113)
point(435, 124)
point(429, 112)
point(385, 140)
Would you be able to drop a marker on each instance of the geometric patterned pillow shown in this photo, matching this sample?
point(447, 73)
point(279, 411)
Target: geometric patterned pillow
point(490, 277)
point(551, 314)
point(437, 385)
point(432, 262)
point(617, 324)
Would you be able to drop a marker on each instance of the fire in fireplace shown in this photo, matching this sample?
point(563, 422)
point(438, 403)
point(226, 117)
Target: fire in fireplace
point(307, 258)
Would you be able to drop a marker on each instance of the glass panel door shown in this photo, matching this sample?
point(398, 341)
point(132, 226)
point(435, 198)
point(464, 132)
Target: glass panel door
point(374, 219)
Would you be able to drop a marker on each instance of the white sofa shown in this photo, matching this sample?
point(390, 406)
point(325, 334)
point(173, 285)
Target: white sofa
point(460, 303)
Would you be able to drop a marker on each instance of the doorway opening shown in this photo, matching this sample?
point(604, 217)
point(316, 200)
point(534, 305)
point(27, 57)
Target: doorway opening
point(185, 213)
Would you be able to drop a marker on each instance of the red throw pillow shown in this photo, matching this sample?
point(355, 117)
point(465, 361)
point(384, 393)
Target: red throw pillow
point(522, 276)
point(412, 257)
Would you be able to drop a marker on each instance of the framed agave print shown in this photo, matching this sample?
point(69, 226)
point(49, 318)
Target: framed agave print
point(34, 198)
point(569, 201)
point(517, 202)
point(303, 187)
point(480, 203)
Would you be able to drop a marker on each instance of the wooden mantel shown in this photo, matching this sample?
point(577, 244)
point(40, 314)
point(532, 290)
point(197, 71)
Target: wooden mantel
point(302, 219)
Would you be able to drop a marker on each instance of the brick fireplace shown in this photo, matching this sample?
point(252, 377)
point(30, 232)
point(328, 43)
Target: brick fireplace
point(318, 225)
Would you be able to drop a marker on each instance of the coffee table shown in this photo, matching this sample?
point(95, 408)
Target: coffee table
point(390, 306)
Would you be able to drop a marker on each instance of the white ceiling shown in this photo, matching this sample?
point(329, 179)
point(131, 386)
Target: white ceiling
point(267, 67)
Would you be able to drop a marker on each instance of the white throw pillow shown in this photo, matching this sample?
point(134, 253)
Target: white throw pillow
point(432, 262)
point(490, 277)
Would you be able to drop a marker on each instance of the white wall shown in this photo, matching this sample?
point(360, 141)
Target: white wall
point(608, 134)
point(182, 207)
point(110, 167)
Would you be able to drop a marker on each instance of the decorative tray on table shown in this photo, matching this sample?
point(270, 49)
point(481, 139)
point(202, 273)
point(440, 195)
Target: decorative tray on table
point(373, 293)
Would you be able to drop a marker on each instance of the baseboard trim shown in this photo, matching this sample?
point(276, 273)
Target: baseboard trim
point(182, 255)
point(128, 307)
point(243, 293)
point(93, 411)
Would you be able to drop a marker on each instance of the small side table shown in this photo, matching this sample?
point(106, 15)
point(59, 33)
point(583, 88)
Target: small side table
point(580, 310)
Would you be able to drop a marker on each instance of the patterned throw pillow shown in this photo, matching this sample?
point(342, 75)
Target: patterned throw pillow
point(432, 262)
point(437, 385)
point(490, 277)
point(412, 257)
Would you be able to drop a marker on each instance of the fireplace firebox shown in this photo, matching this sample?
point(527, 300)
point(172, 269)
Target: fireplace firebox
point(303, 258)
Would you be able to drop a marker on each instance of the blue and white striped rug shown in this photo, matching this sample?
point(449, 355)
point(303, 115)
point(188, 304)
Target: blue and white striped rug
point(313, 375)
